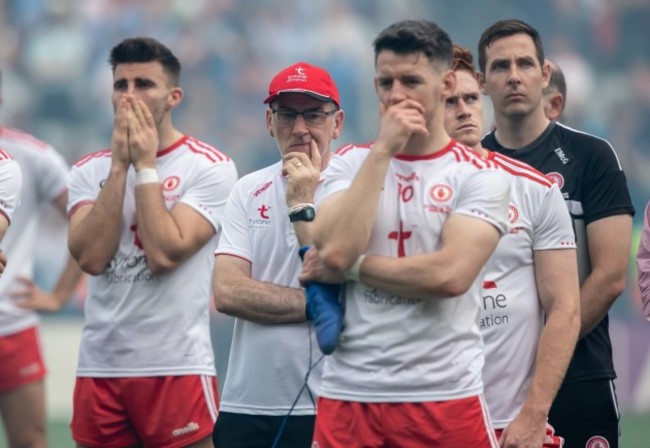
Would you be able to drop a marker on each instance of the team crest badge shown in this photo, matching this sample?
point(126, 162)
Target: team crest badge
point(557, 178)
point(513, 214)
point(441, 193)
point(597, 442)
point(171, 183)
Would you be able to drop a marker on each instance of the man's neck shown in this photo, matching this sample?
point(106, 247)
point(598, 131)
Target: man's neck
point(420, 145)
point(168, 137)
point(519, 132)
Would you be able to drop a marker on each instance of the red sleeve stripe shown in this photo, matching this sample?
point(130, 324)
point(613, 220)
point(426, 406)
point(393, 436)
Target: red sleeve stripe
point(78, 206)
point(345, 148)
point(522, 170)
point(518, 163)
point(94, 155)
point(23, 137)
point(4, 155)
point(212, 153)
point(218, 253)
point(467, 154)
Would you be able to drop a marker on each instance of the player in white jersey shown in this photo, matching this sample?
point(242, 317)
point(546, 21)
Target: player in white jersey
point(11, 179)
point(268, 217)
point(532, 275)
point(22, 368)
point(144, 222)
point(411, 220)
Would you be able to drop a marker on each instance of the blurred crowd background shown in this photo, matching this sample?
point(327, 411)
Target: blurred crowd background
point(56, 81)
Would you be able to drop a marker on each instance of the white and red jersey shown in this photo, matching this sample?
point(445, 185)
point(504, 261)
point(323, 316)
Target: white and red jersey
point(44, 178)
point(138, 323)
point(267, 363)
point(11, 180)
point(405, 349)
point(511, 314)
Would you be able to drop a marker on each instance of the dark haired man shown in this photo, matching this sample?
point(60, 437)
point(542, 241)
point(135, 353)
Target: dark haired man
point(514, 74)
point(144, 219)
point(409, 221)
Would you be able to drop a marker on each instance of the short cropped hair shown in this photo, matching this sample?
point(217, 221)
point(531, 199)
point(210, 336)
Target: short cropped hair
point(505, 28)
point(416, 36)
point(557, 83)
point(463, 60)
point(146, 49)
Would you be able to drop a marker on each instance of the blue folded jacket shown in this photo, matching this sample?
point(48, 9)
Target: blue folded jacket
point(324, 308)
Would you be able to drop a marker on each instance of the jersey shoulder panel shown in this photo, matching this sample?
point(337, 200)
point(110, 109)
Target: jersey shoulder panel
point(521, 169)
point(350, 146)
point(585, 145)
point(105, 153)
point(206, 150)
point(11, 136)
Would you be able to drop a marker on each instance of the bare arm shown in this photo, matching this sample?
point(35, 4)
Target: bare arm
point(238, 295)
point(345, 220)
point(11, 183)
point(33, 297)
point(168, 237)
point(104, 217)
point(467, 243)
point(557, 285)
point(4, 225)
point(303, 174)
point(609, 251)
point(643, 263)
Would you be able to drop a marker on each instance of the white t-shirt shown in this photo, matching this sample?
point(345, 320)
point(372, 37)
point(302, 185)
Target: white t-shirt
point(511, 314)
point(267, 363)
point(141, 324)
point(44, 174)
point(11, 180)
point(404, 349)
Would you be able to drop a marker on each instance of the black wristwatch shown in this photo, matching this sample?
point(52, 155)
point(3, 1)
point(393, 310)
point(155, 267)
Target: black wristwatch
point(307, 213)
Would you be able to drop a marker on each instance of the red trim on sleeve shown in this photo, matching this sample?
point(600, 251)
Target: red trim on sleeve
point(217, 253)
point(78, 205)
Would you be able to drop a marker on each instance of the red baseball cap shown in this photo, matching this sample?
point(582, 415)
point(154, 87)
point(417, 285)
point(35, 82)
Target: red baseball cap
point(304, 78)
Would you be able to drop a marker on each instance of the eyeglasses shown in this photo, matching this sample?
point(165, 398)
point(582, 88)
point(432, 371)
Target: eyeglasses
point(287, 117)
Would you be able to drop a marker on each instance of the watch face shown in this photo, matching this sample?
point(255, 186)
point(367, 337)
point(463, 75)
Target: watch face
point(306, 214)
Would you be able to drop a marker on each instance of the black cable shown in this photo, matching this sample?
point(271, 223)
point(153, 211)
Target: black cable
point(304, 386)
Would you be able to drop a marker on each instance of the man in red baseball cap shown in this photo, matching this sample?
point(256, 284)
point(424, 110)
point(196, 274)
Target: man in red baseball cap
point(269, 397)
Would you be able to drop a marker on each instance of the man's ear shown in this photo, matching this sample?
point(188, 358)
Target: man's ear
point(175, 97)
point(480, 77)
point(269, 117)
point(556, 103)
point(546, 74)
point(449, 83)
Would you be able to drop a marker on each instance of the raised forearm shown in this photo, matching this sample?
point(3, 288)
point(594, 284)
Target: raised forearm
point(94, 238)
point(343, 224)
point(157, 230)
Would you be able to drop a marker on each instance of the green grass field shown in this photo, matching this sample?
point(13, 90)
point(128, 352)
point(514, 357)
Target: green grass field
point(636, 433)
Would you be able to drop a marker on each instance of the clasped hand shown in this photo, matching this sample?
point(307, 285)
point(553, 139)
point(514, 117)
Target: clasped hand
point(135, 136)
